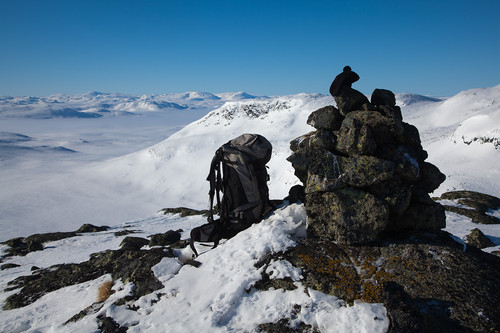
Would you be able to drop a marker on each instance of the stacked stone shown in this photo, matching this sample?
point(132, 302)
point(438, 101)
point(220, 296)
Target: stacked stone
point(364, 172)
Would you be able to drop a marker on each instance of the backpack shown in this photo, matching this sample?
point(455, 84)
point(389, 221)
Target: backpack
point(238, 171)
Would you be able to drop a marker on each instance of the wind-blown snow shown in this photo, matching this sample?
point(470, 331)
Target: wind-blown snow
point(481, 128)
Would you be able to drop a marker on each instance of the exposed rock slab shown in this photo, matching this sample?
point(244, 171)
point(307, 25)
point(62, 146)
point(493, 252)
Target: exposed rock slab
point(428, 283)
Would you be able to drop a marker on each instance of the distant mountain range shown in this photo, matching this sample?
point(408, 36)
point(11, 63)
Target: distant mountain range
point(461, 135)
point(97, 104)
point(443, 123)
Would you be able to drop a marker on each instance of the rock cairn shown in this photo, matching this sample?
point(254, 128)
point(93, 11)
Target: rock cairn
point(364, 172)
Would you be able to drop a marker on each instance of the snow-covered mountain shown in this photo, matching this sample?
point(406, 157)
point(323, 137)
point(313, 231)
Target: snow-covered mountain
point(407, 99)
point(460, 134)
point(176, 168)
point(96, 104)
point(46, 190)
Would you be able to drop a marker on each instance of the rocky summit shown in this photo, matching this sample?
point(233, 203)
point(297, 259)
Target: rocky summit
point(364, 172)
point(373, 231)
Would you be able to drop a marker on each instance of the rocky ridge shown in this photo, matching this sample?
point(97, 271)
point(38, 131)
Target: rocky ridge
point(373, 231)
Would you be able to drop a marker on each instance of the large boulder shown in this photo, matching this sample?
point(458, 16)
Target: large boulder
point(328, 118)
point(356, 170)
point(363, 171)
point(350, 100)
point(320, 139)
point(383, 97)
point(347, 215)
point(318, 183)
point(320, 162)
point(356, 140)
point(385, 129)
point(419, 216)
point(395, 192)
point(427, 282)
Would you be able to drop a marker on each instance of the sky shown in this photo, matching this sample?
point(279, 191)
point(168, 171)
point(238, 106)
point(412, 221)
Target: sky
point(270, 47)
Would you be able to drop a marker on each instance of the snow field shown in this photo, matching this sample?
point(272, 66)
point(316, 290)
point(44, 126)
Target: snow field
point(117, 175)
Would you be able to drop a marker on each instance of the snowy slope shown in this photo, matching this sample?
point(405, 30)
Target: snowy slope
point(59, 187)
point(211, 298)
point(175, 169)
point(462, 135)
point(173, 172)
point(126, 191)
point(59, 190)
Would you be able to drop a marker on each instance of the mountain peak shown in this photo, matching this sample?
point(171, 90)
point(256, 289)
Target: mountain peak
point(406, 99)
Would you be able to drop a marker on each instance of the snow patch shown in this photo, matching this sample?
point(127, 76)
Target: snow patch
point(479, 129)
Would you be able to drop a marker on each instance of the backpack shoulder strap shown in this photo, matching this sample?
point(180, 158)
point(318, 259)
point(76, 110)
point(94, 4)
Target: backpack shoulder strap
point(214, 178)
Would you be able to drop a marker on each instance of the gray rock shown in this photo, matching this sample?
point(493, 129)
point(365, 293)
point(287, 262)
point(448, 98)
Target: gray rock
point(350, 100)
point(296, 194)
point(363, 171)
point(133, 243)
point(317, 183)
point(395, 192)
point(168, 238)
point(328, 118)
point(427, 282)
point(419, 216)
point(383, 97)
point(480, 201)
point(356, 140)
point(347, 216)
point(9, 266)
point(432, 177)
point(316, 161)
point(391, 112)
point(183, 211)
point(480, 205)
point(478, 239)
point(407, 166)
point(320, 139)
point(87, 228)
point(374, 156)
point(127, 265)
point(385, 129)
point(406, 159)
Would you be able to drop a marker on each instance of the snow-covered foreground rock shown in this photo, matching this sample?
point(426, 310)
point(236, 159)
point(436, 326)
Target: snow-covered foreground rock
point(218, 296)
point(268, 276)
point(222, 285)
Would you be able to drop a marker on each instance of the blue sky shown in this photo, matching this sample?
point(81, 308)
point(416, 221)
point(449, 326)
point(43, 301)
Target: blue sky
point(266, 47)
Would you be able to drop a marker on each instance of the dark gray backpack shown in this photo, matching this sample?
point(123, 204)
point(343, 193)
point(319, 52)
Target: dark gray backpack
point(238, 171)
